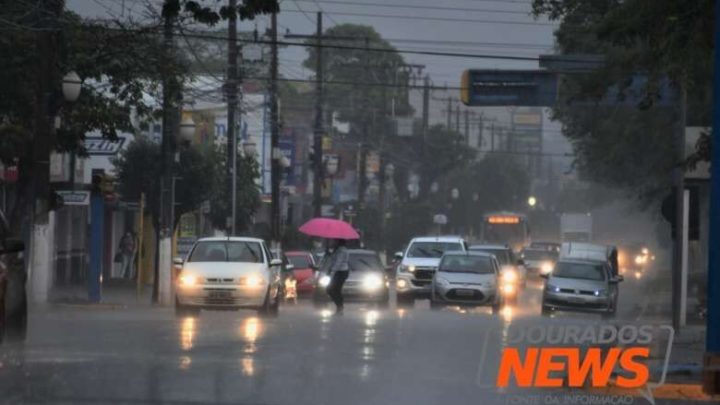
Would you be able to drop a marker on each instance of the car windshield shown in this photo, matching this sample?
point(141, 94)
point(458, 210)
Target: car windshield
point(433, 249)
point(227, 251)
point(503, 256)
point(365, 262)
point(583, 271)
point(466, 264)
point(539, 255)
point(300, 261)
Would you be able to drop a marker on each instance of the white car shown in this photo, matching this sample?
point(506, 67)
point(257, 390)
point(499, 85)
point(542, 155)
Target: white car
point(419, 262)
point(228, 273)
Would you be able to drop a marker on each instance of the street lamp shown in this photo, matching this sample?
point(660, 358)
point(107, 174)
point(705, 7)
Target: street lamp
point(332, 165)
point(532, 201)
point(249, 149)
point(187, 129)
point(71, 86)
point(455, 193)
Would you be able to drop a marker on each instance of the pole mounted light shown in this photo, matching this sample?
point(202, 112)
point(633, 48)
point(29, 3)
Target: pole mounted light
point(249, 149)
point(532, 201)
point(71, 86)
point(187, 128)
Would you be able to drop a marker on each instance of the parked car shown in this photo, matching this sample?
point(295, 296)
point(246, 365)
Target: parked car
point(304, 268)
point(419, 262)
point(228, 273)
point(467, 279)
point(367, 280)
point(13, 297)
point(581, 285)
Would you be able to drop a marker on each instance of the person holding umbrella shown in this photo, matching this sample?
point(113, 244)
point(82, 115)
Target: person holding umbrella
point(338, 271)
point(337, 264)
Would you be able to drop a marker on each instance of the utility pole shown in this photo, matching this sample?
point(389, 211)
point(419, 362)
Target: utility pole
point(318, 133)
point(492, 137)
point(231, 88)
point(171, 97)
point(47, 81)
point(274, 134)
point(679, 185)
point(711, 369)
point(425, 124)
point(467, 127)
point(449, 114)
point(362, 166)
point(457, 119)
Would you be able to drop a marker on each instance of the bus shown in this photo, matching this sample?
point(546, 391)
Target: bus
point(506, 228)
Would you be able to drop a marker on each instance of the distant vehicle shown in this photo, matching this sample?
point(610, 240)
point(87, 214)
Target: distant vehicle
point(13, 296)
point(512, 269)
point(548, 246)
point(539, 260)
point(304, 268)
point(228, 273)
point(506, 228)
point(467, 279)
point(589, 251)
point(288, 281)
point(366, 282)
point(576, 227)
point(419, 262)
point(634, 258)
point(581, 285)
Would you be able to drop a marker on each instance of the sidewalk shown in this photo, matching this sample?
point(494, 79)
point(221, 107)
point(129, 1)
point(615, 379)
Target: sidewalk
point(115, 295)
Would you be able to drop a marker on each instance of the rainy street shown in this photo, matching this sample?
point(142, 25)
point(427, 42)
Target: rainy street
point(306, 355)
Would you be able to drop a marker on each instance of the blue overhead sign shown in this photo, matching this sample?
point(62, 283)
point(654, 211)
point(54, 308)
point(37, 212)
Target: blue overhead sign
point(508, 88)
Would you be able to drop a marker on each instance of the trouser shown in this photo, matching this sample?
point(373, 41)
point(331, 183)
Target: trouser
point(334, 289)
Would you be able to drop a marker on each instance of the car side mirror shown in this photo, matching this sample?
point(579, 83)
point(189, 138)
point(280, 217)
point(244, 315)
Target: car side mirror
point(545, 275)
point(275, 262)
point(289, 267)
point(617, 279)
point(398, 255)
point(178, 261)
point(521, 262)
point(12, 245)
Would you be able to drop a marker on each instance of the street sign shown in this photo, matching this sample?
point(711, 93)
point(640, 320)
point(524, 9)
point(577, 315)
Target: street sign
point(508, 87)
point(71, 197)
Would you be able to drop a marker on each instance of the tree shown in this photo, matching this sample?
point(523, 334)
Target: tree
point(248, 194)
point(138, 171)
point(665, 41)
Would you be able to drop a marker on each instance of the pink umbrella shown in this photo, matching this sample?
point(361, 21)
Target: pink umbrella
point(329, 228)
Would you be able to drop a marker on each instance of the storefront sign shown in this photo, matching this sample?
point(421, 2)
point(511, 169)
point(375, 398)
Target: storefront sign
point(97, 145)
point(71, 197)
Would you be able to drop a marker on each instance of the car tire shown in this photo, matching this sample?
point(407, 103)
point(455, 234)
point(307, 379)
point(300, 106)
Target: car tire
point(268, 308)
point(405, 300)
point(546, 311)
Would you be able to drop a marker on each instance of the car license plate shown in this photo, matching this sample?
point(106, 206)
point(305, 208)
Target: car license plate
point(220, 294)
point(464, 293)
point(575, 300)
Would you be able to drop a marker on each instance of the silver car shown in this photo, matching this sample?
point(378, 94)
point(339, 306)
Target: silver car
point(467, 279)
point(367, 281)
point(581, 285)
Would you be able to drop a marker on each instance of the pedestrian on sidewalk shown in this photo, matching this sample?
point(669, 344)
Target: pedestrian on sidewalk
point(127, 252)
point(338, 271)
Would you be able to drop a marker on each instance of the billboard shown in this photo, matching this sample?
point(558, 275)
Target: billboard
point(508, 87)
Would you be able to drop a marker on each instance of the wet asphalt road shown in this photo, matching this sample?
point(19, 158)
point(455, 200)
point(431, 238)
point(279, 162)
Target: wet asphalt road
point(304, 356)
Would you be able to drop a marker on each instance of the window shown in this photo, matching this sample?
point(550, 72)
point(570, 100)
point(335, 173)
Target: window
point(584, 271)
point(433, 249)
point(365, 262)
point(467, 264)
point(227, 251)
point(300, 261)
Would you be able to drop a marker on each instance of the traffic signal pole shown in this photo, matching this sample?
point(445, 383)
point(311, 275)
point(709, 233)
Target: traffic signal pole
point(711, 369)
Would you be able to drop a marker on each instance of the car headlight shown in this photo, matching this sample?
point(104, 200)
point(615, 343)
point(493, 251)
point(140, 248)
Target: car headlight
point(188, 280)
point(252, 281)
point(600, 293)
point(552, 288)
point(372, 282)
point(546, 268)
point(408, 269)
point(324, 281)
point(509, 276)
point(640, 259)
point(508, 289)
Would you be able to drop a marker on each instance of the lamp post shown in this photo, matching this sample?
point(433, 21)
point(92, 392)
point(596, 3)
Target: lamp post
point(532, 201)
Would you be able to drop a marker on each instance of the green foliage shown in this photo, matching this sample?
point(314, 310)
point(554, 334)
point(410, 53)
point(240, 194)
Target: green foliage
point(248, 193)
point(663, 40)
point(210, 13)
point(360, 81)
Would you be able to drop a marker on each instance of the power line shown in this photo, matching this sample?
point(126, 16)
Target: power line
point(447, 19)
point(417, 7)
